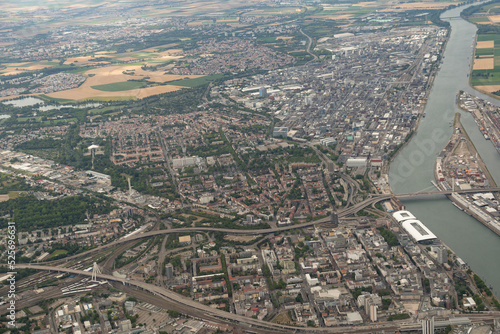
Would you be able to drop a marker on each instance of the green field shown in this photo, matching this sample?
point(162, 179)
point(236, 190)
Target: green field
point(192, 83)
point(26, 119)
point(489, 37)
point(109, 98)
point(56, 253)
point(48, 98)
point(14, 194)
point(266, 39)
point(487, 77)
point(485, 52)
point(120, 86)
point(60, 121)
point(479, 19)
point(97, 111)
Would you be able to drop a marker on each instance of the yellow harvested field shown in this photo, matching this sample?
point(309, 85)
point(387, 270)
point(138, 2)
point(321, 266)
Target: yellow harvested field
point(156, 48)
point(494, 18)
point(12, 70)
point(127, 58)
point(333, 16)
point(485, 45)
point(228, 20)
point(284, 37)
point(4, 98)
point(114, 74)
point(484, 64)
point(170, 52)
point(85, 93)
point(4, 198)
point(334, 8)
point(366, 4)
point(488, 89)
point(85, 60)
point(401, 7)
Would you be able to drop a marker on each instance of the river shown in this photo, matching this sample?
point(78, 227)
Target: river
point(412, 170)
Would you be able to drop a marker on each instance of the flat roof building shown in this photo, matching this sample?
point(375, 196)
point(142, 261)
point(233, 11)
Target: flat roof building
point(328, 141)
point(403, 215)
point(98, 175)
point(186, 239)
point(356, 162)
point(418, 231)
point(280, 132)
point(185, 162)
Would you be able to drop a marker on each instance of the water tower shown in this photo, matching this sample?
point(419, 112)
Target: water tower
point(92, 148)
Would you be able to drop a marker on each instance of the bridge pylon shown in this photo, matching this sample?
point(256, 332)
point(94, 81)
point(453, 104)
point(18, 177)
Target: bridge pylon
point(95, 270)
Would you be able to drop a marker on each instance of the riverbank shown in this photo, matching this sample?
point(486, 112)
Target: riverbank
point(458, 124)
point(413, 168)
point(460, 166)
point(485, 114)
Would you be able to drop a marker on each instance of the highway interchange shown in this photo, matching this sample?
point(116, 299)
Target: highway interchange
point(371, 200)
point(169, 300)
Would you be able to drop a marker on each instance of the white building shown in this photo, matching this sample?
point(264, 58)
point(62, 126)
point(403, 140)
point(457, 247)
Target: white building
point(418, 231)
point(403, 215)
point(356, 162)
point(328, 141)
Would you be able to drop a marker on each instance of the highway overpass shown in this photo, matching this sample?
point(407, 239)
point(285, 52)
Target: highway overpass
point(198, 310)
point(343, 213)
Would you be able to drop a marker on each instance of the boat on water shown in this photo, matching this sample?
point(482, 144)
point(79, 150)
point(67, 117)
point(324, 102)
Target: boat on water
point(459, 208)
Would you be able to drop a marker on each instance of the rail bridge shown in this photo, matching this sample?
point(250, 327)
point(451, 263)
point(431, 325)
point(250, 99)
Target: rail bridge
point(190, 307)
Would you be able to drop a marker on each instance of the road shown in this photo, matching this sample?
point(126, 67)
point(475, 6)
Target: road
point(195, 309)
point(184, 305)
point(309, 44)
point(372, 199)
point(168, 158)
